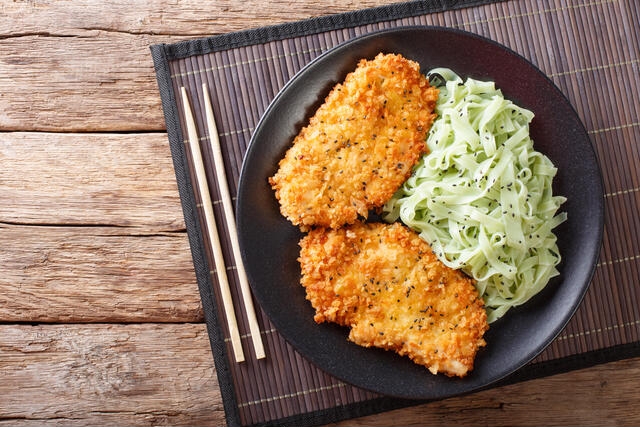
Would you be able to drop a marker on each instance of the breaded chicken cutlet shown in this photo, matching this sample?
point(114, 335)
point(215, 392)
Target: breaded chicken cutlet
point(384, 282)
point(359, 146)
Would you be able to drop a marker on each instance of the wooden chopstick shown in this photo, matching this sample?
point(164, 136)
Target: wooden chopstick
point(231, 225)
point(221, 272)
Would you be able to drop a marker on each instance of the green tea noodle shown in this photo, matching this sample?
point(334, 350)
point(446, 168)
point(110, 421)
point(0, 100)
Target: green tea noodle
point(482, 196)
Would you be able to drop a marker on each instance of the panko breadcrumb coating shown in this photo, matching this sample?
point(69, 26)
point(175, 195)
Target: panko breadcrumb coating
point(360, 145)
point(384, 282)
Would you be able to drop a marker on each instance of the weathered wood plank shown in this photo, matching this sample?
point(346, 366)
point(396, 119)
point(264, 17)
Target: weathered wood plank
point(153, 374)
point(96, 274)
point(125, 180)
point(71, 17)
point(97, 82)
point(76, 375)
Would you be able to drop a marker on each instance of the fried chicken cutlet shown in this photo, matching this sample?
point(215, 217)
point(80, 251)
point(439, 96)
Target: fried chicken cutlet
point(360, 145)
point(384, 282)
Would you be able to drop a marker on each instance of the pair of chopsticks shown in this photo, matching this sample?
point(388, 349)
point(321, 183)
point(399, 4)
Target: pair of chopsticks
point(213, 232)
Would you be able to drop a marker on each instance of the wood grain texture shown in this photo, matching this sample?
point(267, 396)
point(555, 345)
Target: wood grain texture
point(184, 17)
point(100, 81)
point(123, 180)
point(96, 274)
point(76, 375)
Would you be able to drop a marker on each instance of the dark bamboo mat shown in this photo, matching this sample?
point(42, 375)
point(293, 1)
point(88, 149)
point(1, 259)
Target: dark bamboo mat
point(589, 48)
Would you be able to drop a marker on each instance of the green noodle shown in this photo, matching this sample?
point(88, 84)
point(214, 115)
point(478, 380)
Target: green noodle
point(482, 196)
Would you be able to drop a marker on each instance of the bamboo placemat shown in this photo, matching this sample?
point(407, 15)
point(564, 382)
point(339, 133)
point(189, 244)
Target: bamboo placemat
point(589, 48)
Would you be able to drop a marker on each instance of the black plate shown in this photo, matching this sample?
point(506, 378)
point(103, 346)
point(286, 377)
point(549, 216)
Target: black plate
point(270, 243)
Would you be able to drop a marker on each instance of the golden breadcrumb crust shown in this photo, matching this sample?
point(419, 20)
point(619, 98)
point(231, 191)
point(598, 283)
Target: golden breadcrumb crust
point(384, 282)
point(359, 146)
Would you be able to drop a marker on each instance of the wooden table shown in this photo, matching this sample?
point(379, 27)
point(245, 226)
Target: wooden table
point(100, 317)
